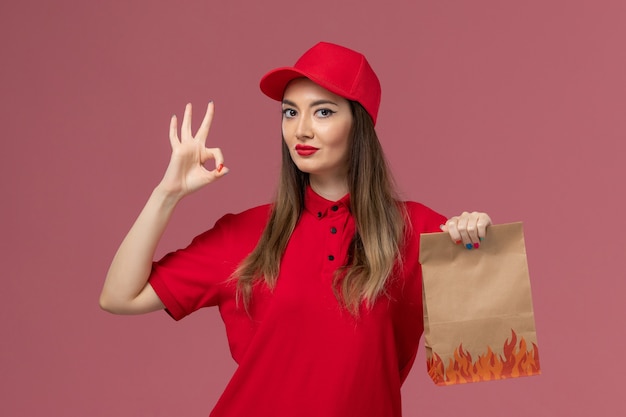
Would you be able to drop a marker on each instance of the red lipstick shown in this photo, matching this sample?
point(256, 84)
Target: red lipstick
point(305, 150)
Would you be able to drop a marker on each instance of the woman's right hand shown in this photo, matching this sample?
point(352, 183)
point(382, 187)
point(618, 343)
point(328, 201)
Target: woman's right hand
point(186, 171)
point(126, 289)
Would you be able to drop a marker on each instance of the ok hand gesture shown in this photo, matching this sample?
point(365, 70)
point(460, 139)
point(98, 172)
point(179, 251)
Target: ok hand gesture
point(186, 171)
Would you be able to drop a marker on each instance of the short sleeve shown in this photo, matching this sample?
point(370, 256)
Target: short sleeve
point(423, 219)
point(199, 275)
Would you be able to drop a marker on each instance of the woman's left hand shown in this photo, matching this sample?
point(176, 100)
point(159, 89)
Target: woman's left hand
point(468, 228)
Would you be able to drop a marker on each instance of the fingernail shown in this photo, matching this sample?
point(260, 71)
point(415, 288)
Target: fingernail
point(469, 246)
point(480, 238)
point(220, 167)
point(476, 245)
point(458, 242)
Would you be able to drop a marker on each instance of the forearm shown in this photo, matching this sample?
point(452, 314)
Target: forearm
point(124, 288)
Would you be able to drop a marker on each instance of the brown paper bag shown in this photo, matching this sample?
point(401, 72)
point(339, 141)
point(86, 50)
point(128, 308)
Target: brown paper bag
point(478, 316)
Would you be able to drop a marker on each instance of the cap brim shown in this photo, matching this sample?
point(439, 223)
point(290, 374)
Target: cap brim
point(273, 83)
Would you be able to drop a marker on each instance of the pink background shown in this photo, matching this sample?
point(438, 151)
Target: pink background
point(512, 107)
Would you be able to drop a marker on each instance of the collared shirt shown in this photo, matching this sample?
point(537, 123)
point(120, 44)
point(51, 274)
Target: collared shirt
point(299, 352)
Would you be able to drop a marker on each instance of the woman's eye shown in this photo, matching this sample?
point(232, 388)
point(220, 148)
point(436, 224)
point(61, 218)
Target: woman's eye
point(324, 112)
point(289, 113)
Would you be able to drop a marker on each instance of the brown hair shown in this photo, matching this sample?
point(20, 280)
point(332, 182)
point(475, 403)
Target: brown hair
point(379, 220)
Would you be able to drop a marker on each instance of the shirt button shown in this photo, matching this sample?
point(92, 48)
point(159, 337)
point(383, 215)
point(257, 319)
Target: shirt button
point(333, 230)
point(334, 208)
point(331, 258)
point(319, 214)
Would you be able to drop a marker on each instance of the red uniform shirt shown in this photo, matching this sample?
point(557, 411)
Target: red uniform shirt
point(299, 353)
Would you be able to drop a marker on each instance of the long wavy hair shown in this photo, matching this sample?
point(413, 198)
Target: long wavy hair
point(379, 219)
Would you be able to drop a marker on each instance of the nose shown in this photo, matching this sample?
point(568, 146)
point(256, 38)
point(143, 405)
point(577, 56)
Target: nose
point(304, 129)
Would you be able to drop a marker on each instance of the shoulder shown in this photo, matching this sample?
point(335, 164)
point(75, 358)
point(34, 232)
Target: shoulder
point(241, 229)
point(422, 219)
point(252, 217)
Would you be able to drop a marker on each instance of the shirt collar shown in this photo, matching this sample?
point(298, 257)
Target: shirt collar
point(320, 207)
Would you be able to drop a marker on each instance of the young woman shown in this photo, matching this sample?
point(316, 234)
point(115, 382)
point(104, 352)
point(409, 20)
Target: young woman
point(320, 291)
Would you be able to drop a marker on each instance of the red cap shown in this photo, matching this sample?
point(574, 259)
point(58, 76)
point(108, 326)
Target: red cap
point(338, 69)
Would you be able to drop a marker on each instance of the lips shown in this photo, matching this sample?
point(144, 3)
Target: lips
point(305, 150)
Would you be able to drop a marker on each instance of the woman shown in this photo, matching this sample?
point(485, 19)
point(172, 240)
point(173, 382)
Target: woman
point(320, 292)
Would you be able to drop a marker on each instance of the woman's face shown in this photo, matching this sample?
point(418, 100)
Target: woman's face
point(316, 127)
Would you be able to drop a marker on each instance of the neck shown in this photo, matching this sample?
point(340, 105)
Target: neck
point(332, 189)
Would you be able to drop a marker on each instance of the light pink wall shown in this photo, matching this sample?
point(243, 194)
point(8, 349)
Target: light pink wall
point(515, 108)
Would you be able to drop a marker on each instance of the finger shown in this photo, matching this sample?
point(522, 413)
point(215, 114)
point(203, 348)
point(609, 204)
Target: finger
point(185, 129)
point(215, 154)
point(203, 131)
point(472, 229)
point(452, 230)
point(483, 222)
point(174, 141)
point(461, 225)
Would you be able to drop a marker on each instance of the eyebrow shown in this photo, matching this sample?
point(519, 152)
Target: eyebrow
point(315, 103)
